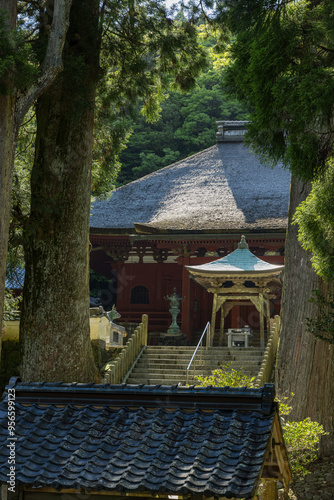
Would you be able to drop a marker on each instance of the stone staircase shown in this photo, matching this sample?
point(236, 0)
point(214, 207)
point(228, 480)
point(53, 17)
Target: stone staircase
point(167, 365)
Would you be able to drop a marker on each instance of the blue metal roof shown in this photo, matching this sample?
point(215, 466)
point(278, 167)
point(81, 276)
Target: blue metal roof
point(178, 440)
point(241, 261)
point(15, 278)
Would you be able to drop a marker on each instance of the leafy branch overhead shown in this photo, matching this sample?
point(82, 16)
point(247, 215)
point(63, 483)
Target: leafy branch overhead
point(144, 52)
point(283, 69)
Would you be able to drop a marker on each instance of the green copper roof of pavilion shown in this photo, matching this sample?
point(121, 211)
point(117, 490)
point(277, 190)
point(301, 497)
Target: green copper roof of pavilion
point(241, 261)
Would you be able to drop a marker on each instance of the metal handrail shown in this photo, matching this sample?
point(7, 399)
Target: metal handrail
point(207, 328)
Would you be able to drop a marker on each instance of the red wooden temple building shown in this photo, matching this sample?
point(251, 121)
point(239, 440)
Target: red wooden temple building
point(188, 213)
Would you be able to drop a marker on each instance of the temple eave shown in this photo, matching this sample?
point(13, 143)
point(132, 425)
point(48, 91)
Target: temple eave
point(233, 274)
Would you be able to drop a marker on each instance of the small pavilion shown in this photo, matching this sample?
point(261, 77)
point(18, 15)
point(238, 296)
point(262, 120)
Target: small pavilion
point(237, 279)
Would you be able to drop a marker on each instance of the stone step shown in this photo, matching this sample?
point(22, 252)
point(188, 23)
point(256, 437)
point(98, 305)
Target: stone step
point(198, 369)
point(166, 379)
point(167, 382)
point(205, 360)
point(210, 352)
point(154, 379)
point(162, 368)
point(167, 364)
point(188, 348)
point(191, 349)
point(157, 369)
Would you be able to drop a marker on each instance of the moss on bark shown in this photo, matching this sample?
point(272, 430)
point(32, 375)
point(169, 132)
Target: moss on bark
point(54, 328)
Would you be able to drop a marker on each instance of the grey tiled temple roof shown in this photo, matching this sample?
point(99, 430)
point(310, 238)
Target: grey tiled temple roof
point(223, 188)
point(139, 438)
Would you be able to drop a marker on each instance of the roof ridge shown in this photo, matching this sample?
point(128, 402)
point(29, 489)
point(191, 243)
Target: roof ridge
point(152, 396)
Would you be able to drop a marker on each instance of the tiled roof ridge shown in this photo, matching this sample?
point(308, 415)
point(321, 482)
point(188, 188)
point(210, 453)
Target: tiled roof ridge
point(16, 381)
point(247, 399)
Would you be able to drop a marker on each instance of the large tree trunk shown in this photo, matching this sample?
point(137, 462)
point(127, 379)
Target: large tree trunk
point(54, 330)
point(13, 107)
point(305, 365)
point(7, 142)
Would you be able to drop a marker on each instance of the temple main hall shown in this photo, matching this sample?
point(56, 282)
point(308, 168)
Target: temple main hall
point(188, 214)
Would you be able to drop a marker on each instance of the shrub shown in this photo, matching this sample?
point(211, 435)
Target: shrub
point(223, 377)
point(301, 438)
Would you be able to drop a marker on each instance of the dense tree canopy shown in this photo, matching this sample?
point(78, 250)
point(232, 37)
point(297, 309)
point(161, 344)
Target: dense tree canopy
point(143, 53)
point(187, 123)
point(315, 219)
point(283, 61)
point(283, 69)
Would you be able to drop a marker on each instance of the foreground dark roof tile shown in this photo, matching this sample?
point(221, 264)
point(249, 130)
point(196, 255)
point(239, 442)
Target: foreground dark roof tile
point(126, 438)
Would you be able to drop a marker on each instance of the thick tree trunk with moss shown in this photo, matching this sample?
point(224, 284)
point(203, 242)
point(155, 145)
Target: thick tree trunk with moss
point(13, 107)
point(305, 365)
point(55, 331)
point(7, 141)
point(7, 126)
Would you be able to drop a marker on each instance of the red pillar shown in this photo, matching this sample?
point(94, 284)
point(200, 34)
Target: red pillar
point(185, 327)
point(235, 320)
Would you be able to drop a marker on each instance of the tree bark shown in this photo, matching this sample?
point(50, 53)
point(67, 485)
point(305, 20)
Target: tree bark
point(7, 146)
point(52, 63)
point(54, 330)
point(305, 364)
point(13, 107)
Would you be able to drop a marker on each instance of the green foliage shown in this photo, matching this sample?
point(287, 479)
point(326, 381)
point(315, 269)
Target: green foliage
point(188, 119)
point(226, 377)
point(96, 283)
point(302, 442)
point(144, 53)
point(16, 58)
point(283, 70)
point(301, 438)
point(315, 219)
point(322, 325)
point(11, 305)
point(150, 161)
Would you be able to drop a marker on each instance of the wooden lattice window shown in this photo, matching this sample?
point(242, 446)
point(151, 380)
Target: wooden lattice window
point(139, 295)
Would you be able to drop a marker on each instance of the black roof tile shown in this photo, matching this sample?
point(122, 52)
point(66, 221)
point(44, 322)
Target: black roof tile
point(197, 440)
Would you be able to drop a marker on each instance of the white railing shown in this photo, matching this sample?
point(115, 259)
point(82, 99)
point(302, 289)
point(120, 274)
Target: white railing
point(269, 357)
point(120, 368)
point(199, 345)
